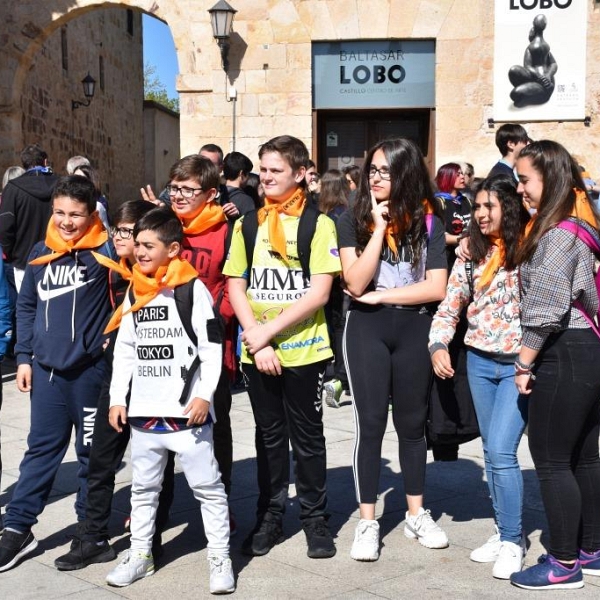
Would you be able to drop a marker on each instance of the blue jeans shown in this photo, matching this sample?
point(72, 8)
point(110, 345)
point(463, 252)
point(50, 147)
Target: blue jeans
point(502, 416)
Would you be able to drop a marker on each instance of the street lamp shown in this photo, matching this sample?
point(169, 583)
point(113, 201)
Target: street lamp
point(89, 87)
point(221, 19)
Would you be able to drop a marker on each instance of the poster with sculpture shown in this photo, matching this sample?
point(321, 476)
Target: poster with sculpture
point(539, 60)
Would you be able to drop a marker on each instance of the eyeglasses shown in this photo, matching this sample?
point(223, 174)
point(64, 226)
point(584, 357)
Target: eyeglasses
point(384, 173)
point(124, 232)
point(186, 192)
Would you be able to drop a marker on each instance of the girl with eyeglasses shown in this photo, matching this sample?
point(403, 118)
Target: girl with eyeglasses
point(394, 264)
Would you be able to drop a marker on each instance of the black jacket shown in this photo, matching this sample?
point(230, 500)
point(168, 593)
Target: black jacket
point(24, 214)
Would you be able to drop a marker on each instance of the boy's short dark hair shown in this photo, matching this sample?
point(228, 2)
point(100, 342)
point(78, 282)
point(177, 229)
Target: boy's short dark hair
point(510, 132)
point(197, 167)
point(132, 211)
point(235, 162)
point(212, 148)
point(79, 188)
point(291, 149)
point(164, 223)
point(33, 156)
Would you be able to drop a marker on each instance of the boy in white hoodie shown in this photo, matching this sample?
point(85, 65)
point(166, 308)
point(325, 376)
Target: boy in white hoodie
point(171, 396)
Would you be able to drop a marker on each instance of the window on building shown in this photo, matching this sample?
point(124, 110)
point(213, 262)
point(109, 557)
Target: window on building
point(64, 49)
point(101, 71)
point(129, 21)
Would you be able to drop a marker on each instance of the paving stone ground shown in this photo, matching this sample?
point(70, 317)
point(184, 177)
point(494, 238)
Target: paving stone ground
point(456, 494)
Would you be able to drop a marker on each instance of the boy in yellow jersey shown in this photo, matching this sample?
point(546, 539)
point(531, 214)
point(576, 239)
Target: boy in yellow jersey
point(286, 347)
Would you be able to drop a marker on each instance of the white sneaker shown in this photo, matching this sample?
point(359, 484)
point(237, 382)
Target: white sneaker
point(510, 560)
point(366, 541)
point(222, 580)
point(133, 566)
point(423, 528)
point(489, 551)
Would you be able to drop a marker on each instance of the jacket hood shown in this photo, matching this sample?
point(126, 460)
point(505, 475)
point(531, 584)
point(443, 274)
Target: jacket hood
point(34, 183)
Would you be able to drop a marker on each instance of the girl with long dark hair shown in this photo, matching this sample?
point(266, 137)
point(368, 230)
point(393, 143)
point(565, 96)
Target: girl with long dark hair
point(393, 267)
point(558, 363)
point(488, 286)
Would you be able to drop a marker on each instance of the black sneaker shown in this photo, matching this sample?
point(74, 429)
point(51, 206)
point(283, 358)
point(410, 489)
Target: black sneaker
point(264, 536)
point(14, 546)
point(318, 537)
point(84, 553)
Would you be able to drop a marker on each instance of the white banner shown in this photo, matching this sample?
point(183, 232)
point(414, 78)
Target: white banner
point(539, 60)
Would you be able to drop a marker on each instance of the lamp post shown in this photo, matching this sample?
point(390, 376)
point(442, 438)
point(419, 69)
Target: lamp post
point(89, 87)
point(221, 19)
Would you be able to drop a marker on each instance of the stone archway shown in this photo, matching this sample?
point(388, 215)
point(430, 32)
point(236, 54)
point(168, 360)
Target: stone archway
point(36, 106)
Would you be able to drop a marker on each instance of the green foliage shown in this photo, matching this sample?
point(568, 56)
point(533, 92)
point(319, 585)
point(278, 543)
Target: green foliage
point(156, 91)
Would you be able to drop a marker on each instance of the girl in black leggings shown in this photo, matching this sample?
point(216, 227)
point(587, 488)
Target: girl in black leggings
point(558, 363)
point(393, 259)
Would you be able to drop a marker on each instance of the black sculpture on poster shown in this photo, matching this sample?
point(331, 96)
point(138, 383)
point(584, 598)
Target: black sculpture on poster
point(534, 81)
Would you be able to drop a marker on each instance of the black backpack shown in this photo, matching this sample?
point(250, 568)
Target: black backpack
point(306, 230)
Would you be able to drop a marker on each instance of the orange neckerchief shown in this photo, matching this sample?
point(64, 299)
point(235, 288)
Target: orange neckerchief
point(210, 214)
point(293, 206)
point(493, 265)
point(121, 267)
point(94, 237)
point(392, 229)
point(145, 289)
point(581, 210)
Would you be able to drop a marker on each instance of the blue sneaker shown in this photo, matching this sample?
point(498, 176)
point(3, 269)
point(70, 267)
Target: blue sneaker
point(549, 574)
point(590, 563)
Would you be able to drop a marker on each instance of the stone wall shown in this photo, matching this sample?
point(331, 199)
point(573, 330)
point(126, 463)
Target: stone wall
point(271, 68)
point(110, 130)
point(161, 143)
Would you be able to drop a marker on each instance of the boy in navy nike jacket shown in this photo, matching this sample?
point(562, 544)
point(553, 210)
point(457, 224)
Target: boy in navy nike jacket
point(62, 310)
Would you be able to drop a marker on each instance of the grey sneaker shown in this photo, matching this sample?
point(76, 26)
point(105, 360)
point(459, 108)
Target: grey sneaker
point(133, 566)
point(332, 392)
point(222, 580)
point(423, 528)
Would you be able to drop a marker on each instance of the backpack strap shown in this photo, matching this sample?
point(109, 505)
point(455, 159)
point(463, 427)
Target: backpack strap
point(184, 301)
point(469, 274)
point(307, 226)
point(249, 232)
point(429, 224)
point(306, 231)
point(582, 233)
point(592, 243)
point(227, 241)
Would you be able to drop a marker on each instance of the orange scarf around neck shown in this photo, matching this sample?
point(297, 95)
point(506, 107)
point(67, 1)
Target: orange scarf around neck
point(582, 209)
point(293, 206)
point(145, 289)
point(210, 214)
point(121, 267)
point(391, 231)
point(493, 265)
point(94, 237)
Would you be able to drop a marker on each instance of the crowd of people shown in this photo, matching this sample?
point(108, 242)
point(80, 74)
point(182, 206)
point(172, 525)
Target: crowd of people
point(411, 292)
